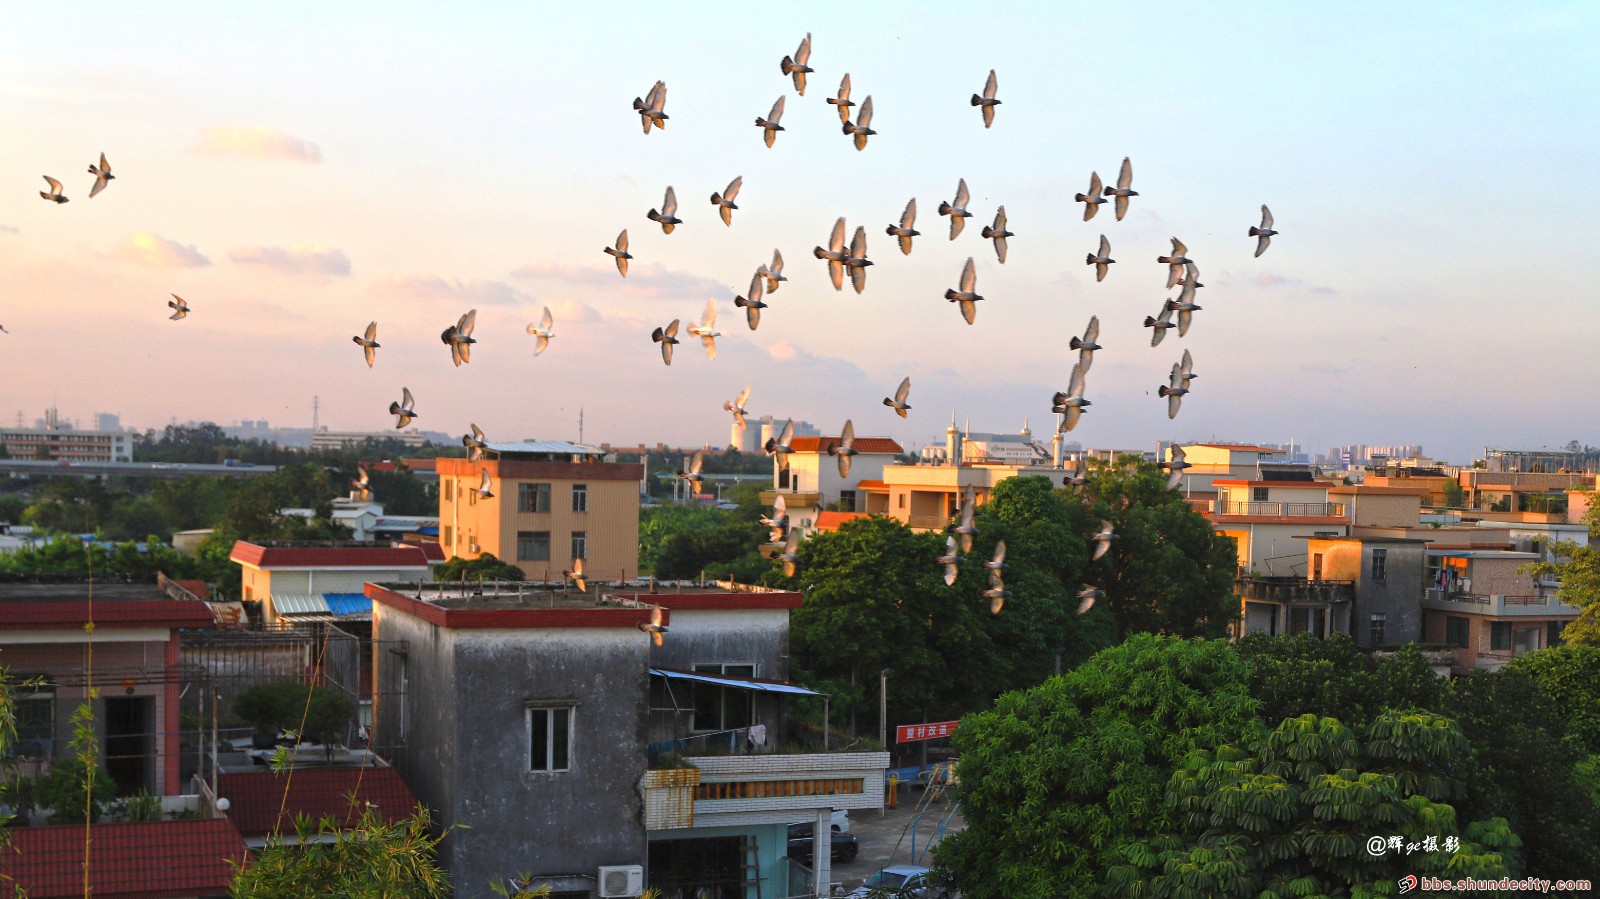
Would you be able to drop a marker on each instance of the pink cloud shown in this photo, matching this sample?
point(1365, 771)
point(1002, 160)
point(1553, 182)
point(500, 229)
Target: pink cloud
point(433, 287)
point(653, 281)
point(327, 261)
point(144, 248)
point(256, 141)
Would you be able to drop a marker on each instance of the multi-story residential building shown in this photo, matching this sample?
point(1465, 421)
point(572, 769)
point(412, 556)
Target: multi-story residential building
point(317, 580)
point(324, 439)
point(1514, 491)
point(1482, 602)
point(1271, 517)
point(1210, 462)
point(57, 444)
point(548, 724)
point(811, 483)
point(549, 502)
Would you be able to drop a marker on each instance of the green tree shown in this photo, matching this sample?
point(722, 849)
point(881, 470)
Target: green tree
point(77, 787)
point(375, 859)
point(486, 567)
point(1169, 571)
point(1331, 678)
point(1578, 569)
point(1293, 816)
point(1454, 496)
point(1056, 780)
point(316, 714)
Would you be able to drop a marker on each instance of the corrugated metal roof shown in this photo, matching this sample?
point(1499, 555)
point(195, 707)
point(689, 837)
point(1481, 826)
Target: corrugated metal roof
point(300, 604)
point(556, 447)
point(348, 603)
point(738, 683)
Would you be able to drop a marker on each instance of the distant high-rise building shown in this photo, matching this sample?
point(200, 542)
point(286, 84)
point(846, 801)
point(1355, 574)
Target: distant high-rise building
point(107, 421)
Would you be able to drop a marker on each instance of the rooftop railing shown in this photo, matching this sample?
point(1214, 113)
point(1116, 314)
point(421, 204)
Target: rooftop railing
point(1280, 510)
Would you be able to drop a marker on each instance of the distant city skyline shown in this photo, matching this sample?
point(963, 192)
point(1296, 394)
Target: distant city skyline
point(1426, 165)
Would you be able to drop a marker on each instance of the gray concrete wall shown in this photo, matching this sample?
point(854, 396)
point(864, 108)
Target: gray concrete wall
point(747, 635)
point(1398, 597)
point(416, 730)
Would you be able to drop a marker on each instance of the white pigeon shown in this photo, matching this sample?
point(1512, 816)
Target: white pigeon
point(180, 307)
point(998, 233)
point(950, 560)
point(769, 125)
point(368, 343)
point(724, 201)
point(543, 331)
point(54, 194)
point(856, 260)
point(835, 254)
point(1102, 260)
point(667, 216)
point(845, 449)
point(621, 252)
point(1123, 190)
point(1263, 234)
point(102, 176)
point(1102, 539)
point(706, 329)
point(842, 101)
point(966, 296)
point(403, 411)
point(862, 128)
point(904, 231)
point(987, 101)
point(898, 403)
point(1091, 201)
point(736, 406)
point(797, 66)
point(1175, 262)
point(958, 210)
point(1086, 344)
point(774, 272)
point(668, 338)
point(752, 304)
point(650, 107)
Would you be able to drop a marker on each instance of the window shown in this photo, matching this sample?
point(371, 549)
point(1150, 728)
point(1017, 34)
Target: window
point(580, 499)
point(722, 708)
point(847, 499)
point(1458, 630)
point(449, 536)
point(36, 721)
point(902, 498)
point(1499, 635)
point(580, 545)
point(1316, 566)
point(550, 738)
point(1258, 494)
point(1380, 562)
point(533, 497)
point(449, 491)
point(1377, 630)
point(533, 546)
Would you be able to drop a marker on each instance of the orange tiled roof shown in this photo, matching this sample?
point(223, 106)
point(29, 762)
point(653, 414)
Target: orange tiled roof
point(830, 521)
point(863, 445)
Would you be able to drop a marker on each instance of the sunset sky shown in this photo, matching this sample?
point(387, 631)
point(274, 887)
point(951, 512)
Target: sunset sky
point(297, 170)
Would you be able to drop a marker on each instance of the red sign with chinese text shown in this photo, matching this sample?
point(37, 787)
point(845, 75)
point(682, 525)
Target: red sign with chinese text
point(907, 733)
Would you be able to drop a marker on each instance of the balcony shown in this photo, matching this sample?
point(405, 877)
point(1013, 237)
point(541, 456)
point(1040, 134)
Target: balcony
point(1294, 590)
point(927, 522)
point(1540, 605)
point(794, 499)
point(1222, 508)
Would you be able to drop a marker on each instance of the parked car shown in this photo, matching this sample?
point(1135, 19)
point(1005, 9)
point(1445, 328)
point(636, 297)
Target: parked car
point(901, 880)
point(842, 847)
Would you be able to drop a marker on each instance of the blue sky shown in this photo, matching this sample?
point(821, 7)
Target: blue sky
point(1429, 166)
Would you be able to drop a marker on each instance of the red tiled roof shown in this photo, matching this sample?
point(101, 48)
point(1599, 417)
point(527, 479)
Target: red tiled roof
point(58, 615)
point(126, 861)
point(254, 798)
point(830, 521)
point(400, 555)
point(862, 444)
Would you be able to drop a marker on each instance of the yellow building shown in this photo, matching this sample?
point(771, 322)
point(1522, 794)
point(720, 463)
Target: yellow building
point(1270, 521)
point(550, 502)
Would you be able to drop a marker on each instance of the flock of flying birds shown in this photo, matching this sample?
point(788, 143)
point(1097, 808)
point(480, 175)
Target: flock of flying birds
point(841, 258)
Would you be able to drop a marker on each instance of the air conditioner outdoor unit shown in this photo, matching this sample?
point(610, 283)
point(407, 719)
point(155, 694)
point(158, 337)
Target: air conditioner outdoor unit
point(473, 547)
point(621, 880)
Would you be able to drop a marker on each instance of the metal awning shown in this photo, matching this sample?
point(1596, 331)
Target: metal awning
point(737, 683)
point(348, 603)
point(300, 604)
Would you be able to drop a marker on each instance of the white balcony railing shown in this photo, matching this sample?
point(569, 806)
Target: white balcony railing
point(1281, 510)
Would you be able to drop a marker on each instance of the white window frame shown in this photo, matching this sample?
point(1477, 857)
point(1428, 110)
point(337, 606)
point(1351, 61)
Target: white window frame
point(547, 709)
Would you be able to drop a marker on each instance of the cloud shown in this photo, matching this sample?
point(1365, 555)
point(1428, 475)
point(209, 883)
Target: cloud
point(144, 248)
point(10, 229)
point(1268, 279)
point(574, 311)
point(433, 287)
point(328, 261)
point(653, 281)
point(257, 141)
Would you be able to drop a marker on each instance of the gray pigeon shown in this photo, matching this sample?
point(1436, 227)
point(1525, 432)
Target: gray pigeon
point(997, 594)
point(987, 101)
point(485, 486)
point(1174, 390)
point(950, 560)
point(1102, 260)
point(862, 127)
point(778, 447)
point(774, 272)
point(736, 406)
point(575, 574)
point(1069, 404)
point(706, 329)
point(102, 176)
point(752, 304)
point(1175, 465)
point(845, 449)
point(842, 101)
point(654, 627)
point(835, 254)
point(724, 201)
point(179, 307)
point(1123, 189)
point(958, 210)
point(998, 562)
point(650, 107)
point(967, 529)
point(903, 231)
point(1091, 201)
point(1102, 540)
point(1086, 345)
point(966, 296)
point(898, 403)
point(621, 252)
point(1087, 596)
point(856, 260)
point(403, 411)
point(368, 343)
point(790, 557)
point(769, 125)
point(998, 233)
point(797, 66)
point(668, 338)
point(1262, 234)
point(54, 194)
point(459, 337)
point(362, 483)
point(1161, 323)
point(690, 473)
point(1175, 262)
point(474, 444)
point(668, 214)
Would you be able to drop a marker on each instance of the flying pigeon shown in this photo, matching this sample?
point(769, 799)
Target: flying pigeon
point(667, 217)
point(668, 338)
point(736, 406)
point(797, 66)
point(998, 562)
point(842, 101)
point(575, 574)
point(650, 107)
point(1263, 234)
point(965, 296)
point(958, 210)
point(1186, 366)
point(54, 193)
point(1161, 323)
point(1102, 539)
point(1091, 201)
point(791, 553)
point(1087, 596)
point(769, 125)
point(544, 330)
point(691, 471)
point(621, 252)
point(1174, 390)
point(180, 307)
point(369, 342)
point(951, 558)
point(474, 444)
point(1122, 191)
point(1186, 308)
point(707, 330)
point(3, 330)
point(1191, 277)
point(654, 627)
point(1077, 479)
point(1101, 260)
point(1175, 466)
point(774, 272)
point(898, 403)
point(779, 446)
point(903, 231)
point(778, 521)
point(752, 304)
point(1086, 345)
point(987, 101)
point(459, 337)
point(362, 483)
point(966, 528)
point(862, 128)
point(1175, 262)
point(1070, 403)
point(483, 488)
point(835, 254)
point(856, 260)
point(724, 201)
point(997, 594)
point(998, 233)
point(845, 448)
point(403, 410)
point(102, 176)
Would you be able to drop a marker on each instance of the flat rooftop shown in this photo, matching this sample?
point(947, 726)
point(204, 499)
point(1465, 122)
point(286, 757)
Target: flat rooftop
point(553, 604)
point(78, 591)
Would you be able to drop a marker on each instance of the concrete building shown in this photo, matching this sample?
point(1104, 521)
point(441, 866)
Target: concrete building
point(66, 444)
point(324, 439)
point(1271, 518)
point(1388, 576)
point(549, 502)
point(1480, 601)
point(320, 580)
point(547, 723)
point(811, 483)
